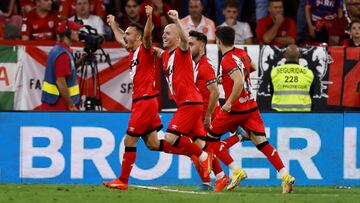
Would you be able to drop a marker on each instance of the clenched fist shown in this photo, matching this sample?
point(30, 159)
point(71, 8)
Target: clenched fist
point(148, 11)
point(110, 19)
point(173, 15)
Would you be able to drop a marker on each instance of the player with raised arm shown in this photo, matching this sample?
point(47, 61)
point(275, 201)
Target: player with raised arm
point(144, 121)
point(240, 108)
point(206, 82)
point(179, 73)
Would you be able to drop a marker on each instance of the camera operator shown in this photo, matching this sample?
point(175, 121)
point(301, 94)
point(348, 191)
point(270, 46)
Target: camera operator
point(83, 15)
point(60, 87)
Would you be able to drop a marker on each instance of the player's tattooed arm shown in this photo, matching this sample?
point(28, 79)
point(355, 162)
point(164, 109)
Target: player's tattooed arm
point(184, 38)
point(148, 28)
point(118, 32)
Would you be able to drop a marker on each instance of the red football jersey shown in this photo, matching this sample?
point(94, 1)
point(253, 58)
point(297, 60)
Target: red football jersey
point(287, 29)
point(26, 2)
point(237, 59)
point(38, 28)
point(179, 73)
point(205, 75)
point(142, 72)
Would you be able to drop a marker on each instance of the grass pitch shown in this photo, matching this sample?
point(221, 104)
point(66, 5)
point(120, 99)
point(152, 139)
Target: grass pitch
point(39, 193)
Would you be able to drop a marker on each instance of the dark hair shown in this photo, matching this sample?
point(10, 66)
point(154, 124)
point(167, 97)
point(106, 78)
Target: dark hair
point(136, 1)
point(231, 4)
point(61, 37)
point(226, 35)
point(271, 1)
point(201, 2)
point(353, 22)
point(138, 27)
point(89, 1)
point(199, 36)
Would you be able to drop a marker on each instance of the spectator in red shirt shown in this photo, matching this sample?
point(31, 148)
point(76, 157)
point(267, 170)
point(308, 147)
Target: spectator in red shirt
point(132, 15)
point(354, 40)
point(160, 17)
point(10, 19)
point(26, 6)
point(276, 29)
point(67, 8)
point(40, 23)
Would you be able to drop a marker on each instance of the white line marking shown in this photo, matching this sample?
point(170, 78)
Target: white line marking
point(170, 190)
point(233, 192)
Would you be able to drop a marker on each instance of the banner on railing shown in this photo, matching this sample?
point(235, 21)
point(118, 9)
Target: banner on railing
point(8, 69)
point(41, 147)
point(114, 83)
point(336, 86)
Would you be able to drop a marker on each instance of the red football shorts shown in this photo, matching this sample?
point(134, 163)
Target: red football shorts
point(229, 122)
point(187, 121)
point(144, 118)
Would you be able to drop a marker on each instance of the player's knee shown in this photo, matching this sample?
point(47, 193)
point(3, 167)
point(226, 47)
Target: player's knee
point(200, 143)
point(153, 146)
point(130, 141)
point(257, 139)
point(170, 138)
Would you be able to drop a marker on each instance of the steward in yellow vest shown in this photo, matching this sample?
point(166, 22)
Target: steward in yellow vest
point(60, 85)
point(291, 84)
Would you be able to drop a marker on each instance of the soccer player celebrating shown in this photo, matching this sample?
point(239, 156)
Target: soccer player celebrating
point(144, 121)
point(240, 108)
point(179, 72)
point(206, 82)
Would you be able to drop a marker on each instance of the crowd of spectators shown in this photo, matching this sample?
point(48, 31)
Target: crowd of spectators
point(274, 22)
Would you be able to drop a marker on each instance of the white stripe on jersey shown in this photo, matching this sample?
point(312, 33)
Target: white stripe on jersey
point(170, 70)
point(247, 82)
point(134, 63)
point(196, 70)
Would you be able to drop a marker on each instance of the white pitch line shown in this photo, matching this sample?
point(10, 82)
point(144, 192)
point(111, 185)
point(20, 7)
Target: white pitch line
point(170, 190)
point(240, 192)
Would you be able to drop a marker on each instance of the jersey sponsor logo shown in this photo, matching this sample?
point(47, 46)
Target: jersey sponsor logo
point(245, 99)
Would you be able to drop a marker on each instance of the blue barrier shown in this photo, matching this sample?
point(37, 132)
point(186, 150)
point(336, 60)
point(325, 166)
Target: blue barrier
point(84, 148)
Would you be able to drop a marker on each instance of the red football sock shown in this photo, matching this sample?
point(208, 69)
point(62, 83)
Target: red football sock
point(188, 145)
point(220, 151)
point(225, 157)
point(168, 148)
point(216, 167)
point(271, 154)
point(213, 146)
point(127, 163)
point(204, 179)
point(230, 141)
